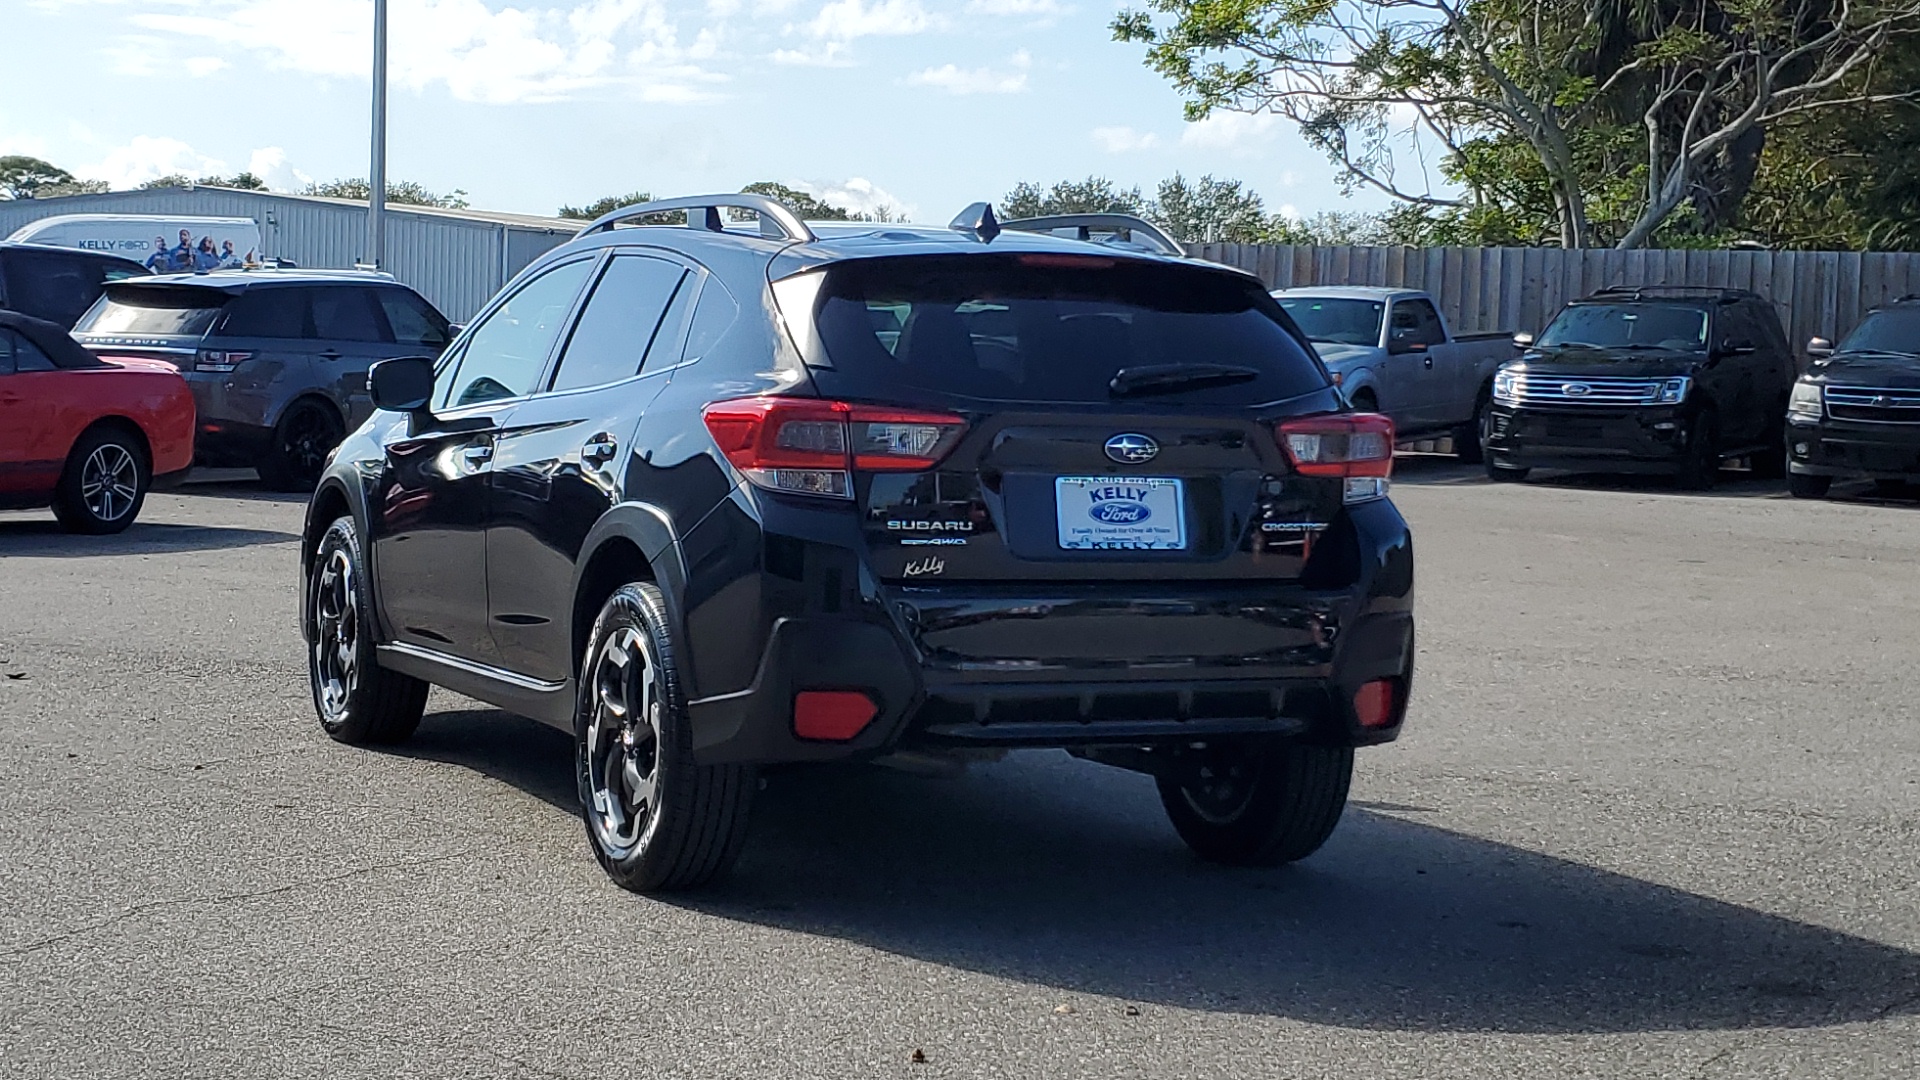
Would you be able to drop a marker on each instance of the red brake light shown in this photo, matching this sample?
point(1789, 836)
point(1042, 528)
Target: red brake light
point(809, 446)
point(1339, 444)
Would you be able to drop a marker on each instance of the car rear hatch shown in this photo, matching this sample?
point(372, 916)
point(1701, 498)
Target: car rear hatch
point(1029, 431)
point(158, 321)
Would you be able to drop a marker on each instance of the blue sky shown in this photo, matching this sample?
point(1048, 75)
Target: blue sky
point(921, 105)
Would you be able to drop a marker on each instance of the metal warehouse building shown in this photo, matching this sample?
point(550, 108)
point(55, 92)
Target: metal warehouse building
point(456, 258)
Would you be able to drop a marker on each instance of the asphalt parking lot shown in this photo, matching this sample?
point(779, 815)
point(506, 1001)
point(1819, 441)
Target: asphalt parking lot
point(1656, 814)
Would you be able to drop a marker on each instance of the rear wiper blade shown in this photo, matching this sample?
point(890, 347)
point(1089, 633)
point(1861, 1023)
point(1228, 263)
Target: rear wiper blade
point(1170, 378)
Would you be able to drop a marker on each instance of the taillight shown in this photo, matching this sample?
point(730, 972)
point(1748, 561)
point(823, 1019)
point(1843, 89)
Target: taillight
point(218, 361)
point(813, 447)
point(1357, 447)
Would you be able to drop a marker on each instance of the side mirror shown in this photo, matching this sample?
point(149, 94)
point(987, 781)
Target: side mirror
point(1820, 348)
point(1523, 340)
point(403, 384)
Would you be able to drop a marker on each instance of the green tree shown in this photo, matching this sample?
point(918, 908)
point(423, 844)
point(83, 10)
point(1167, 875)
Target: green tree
point(1094, 195)
point(1209, 210)
point(1619, 116)
point(601, 207)
point(404, 192)
point(71, 187)
point(21, 177)
point(808, 207)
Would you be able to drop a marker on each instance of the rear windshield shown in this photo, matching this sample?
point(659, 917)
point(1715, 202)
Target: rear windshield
point(1050, 328)
point(1895, 330)
point(1336, 322)
point(154, 311)
point(1622, 326)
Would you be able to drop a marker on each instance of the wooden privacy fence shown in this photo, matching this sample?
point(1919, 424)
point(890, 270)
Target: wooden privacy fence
point(1818, 293)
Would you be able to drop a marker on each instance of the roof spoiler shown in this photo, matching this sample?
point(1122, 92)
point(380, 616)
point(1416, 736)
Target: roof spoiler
point(777, 220)
point(1134, 230)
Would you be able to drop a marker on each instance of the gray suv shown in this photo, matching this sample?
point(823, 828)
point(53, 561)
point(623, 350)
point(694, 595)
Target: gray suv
point(277, 359)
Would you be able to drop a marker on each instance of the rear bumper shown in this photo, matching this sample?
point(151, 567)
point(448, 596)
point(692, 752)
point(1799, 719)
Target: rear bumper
point(1847, 449)
point(1054, 666)
point(1622, 439)
point(232, 428)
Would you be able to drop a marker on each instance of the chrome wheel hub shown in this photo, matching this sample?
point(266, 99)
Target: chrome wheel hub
point(623, 742)
point(336, 635)
point(110, 482)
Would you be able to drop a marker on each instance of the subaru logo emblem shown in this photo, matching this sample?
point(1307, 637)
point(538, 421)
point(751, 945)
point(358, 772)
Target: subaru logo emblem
point(1576, 389)
point(1132, 449)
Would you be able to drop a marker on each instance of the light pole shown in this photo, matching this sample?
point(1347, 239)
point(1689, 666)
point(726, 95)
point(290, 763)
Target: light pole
point(377, 180)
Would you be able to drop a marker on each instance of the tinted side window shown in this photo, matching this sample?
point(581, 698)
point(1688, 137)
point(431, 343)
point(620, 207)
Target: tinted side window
point(346, 314)
point(506, 353)
point(619, 321)
point(413, 320)
point(1420, 321)
point(26, 356)
point(717, 311)
point(51, 285)
point(267, 313)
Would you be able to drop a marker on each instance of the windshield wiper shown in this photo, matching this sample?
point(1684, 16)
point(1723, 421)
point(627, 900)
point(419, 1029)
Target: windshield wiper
point(1171, 378)
point(1895, 353)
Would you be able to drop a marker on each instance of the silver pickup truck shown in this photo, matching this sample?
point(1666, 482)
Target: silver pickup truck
point(1392, 352)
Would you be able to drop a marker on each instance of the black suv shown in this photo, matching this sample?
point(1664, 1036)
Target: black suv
point(55, 283)
point(1856, 412)
point(715, 496)
point(277, 358)
point(1638, 379)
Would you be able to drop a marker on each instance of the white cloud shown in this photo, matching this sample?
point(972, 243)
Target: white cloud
point(844, 20)
point(269, 163)
point(1289, 211)
point(1239, 133)
point(857, 194)
point(204, 65)
point(1123, 140)
point(478, 53)
point(1014, 7)
point(828, 54)
point(148, 157)
point(958, 80)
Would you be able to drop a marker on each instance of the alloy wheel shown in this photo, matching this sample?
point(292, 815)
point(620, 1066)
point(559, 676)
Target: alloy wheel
point(311, 434)
point(110, 482)
point(336, 635)
point(623, 742)
point(1222, 788)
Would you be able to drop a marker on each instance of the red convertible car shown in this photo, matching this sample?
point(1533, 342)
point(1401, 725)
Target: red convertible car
point(86, 434)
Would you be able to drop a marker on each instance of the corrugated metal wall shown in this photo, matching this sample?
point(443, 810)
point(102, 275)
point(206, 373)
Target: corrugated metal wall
point(1818, 293)
point(458, 263)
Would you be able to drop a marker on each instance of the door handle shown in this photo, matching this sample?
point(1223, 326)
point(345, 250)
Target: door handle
point(478, 454)
point(600, 449)
point(329, 354)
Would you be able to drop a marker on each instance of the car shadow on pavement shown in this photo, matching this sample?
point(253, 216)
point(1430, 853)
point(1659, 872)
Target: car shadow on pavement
point(46, 539)
point(1060, 874)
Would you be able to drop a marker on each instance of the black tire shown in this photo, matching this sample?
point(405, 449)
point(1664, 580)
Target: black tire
point(104, 483)
point(1502, 474)
point(1771, 463)
point(1806, 486)
point(357, 700)
point(307, 432)
point(1262, 805)
point(1365, 401)
point(1470, 439)
point(657, 820)
point(1700, 464)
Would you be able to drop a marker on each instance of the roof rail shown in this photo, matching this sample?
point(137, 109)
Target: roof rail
point(1138, 230)
point(777, 220)
point(1714, 291)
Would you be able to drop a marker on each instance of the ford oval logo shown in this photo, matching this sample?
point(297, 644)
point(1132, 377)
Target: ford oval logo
point(1575, 389)
point(1119, 512)
point(1132, 449)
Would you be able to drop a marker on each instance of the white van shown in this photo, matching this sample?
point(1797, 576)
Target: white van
point(164, 243)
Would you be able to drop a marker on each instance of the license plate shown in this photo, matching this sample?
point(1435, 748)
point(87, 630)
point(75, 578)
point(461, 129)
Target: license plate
point(1123, 513)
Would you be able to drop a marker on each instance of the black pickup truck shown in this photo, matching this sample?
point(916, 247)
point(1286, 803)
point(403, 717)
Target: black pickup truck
point(1660, 379)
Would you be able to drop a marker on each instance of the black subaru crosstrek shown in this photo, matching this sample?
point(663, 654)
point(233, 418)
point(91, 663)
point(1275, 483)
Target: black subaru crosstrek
point(1855, 414)
point(1646, 379)
point(712, 496)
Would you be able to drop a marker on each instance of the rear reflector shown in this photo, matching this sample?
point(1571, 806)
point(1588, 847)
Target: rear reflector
point(832, 715)
point(812, 447)
point(1374, 703)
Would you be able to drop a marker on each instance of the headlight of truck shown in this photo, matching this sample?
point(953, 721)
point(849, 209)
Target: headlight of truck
point(1806, 401)
point(1505, 388)
point(1673, 391)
